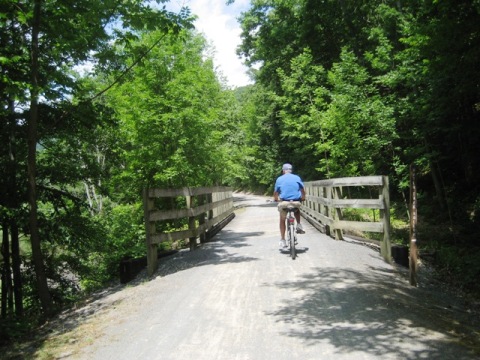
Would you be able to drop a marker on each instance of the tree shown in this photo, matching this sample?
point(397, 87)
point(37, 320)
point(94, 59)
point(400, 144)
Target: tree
point(305, 97)
point(168, 109)
point(46, 40)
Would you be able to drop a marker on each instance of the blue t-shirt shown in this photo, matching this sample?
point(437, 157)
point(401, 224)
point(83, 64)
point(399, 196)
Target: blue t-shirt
point(289, 186)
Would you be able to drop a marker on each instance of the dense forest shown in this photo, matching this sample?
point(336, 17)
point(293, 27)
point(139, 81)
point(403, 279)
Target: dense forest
point(100, 99)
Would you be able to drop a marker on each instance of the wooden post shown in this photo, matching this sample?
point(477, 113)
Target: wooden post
point(210, 212)
point(385, 246)
point(152, 256)
point(230, 196)
point(191, 223)
point(202, 218)
point(337, 192)
point(309, 191)
point(413, 227)
point(328, 210)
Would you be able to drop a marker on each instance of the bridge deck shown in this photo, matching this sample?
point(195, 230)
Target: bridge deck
point(239, 297)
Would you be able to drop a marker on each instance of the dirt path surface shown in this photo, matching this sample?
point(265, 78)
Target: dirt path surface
point(239, 297)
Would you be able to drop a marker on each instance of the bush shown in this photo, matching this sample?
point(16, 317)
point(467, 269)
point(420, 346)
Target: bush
point(460, 266)
point(123, 238)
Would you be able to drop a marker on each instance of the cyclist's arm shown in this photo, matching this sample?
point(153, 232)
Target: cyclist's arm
point(302, 190)
point(275, 196)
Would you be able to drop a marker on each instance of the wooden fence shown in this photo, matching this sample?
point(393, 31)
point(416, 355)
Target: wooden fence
point(326, 200)
point(202, 210)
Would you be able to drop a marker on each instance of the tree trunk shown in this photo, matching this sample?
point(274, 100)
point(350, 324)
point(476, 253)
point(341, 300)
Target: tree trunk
point(37, 255)
point(7, 302)
point(16, 266)
point(14, 204)
point(413, 227)
point(438, 185)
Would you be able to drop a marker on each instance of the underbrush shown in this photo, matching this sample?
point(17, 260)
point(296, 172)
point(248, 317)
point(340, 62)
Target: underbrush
point(452, 251)
point(460, 267)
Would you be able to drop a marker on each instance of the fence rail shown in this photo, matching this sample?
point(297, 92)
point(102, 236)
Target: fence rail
point(206, 209)
point(326, 198)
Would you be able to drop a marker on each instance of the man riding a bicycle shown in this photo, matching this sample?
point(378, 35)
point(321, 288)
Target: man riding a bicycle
point(290, 191)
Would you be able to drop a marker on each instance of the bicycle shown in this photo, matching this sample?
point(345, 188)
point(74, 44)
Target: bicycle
point(291, 225)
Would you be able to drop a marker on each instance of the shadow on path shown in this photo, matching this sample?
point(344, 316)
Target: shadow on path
point(372, 313)
point(216, 252)
point(300, 250)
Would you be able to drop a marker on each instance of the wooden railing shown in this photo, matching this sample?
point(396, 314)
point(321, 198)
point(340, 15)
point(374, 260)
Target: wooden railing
point(326, 198)
point(205, 211)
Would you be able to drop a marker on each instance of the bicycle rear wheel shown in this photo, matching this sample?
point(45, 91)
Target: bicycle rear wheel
point(291, 232)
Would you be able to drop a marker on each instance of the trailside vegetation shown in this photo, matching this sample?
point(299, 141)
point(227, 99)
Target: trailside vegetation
point(356, 88)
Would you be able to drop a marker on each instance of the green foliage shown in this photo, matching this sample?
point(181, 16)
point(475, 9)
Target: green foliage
point(168, 112)
point(302, 128)
point(256, 132)
point(122, 236)
point(359, 121)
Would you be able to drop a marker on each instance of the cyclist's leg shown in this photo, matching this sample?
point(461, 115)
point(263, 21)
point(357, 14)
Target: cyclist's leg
point(298, 205)
point(283, 215)
point(297, 216)
point(282, 223)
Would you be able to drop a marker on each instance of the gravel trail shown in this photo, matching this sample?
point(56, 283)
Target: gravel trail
point(239, 297)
